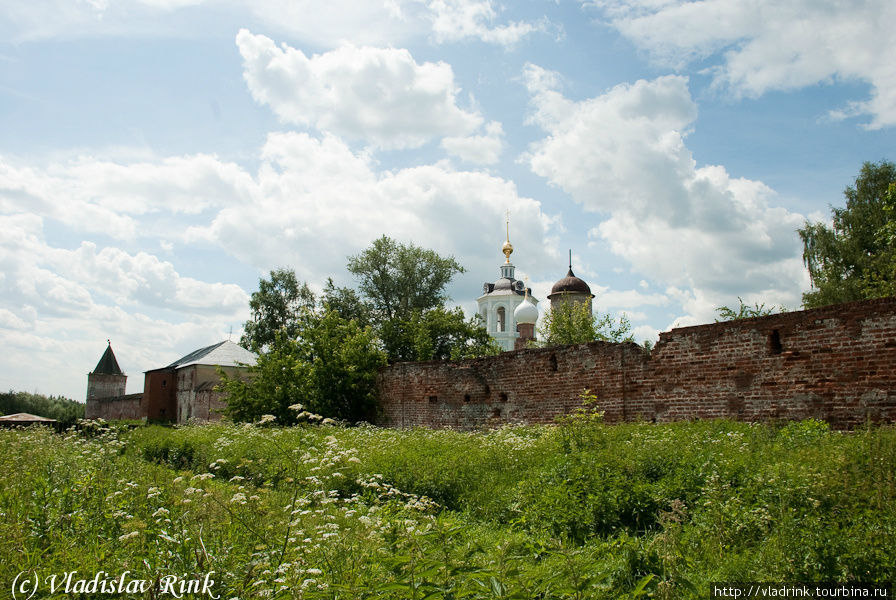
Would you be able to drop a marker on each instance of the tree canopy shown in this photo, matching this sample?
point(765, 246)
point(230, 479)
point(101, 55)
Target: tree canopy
point(402, 295)
point(574, 323)
point(277, 305)
point(62, 409)
point(855, 257)
point(325, 354)
point(329, 367)
point(397, 279)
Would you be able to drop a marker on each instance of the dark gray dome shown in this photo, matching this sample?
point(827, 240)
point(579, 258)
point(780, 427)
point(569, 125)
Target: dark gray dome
point(571, 285)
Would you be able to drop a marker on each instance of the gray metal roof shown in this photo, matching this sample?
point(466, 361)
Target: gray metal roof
point(222, 354)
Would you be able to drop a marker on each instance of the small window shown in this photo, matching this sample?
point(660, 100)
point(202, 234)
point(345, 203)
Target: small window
point(433, 399)
point(502, 322)
point(466, 397)
point(774, 342)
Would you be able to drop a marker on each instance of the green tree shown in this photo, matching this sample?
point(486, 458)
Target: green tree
point(330, 367)
point(574, 323)
point(397, 279)
point(279, 379)
point(437, 334)
point(854, 258)
point(402, 295)
point(64, 410)
point(277, 305)
point(347, 303)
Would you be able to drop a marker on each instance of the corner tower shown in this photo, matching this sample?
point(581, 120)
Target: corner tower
point(499, 301)
point(106, 380)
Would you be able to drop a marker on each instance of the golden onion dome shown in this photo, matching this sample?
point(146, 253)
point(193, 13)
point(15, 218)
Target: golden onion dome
point(507, 249)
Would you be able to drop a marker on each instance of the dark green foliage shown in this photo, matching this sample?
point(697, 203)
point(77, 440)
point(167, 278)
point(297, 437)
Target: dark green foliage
point(437, 334)
point(66, 411)
point(574, 323)
point(397, 279)
point(347, 303)
point(277, 305)
point(402, 295)
point(856, 257)
point(329, 367)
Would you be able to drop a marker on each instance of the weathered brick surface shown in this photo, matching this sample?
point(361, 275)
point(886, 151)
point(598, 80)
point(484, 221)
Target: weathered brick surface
point(114, 407)
point(836, 363)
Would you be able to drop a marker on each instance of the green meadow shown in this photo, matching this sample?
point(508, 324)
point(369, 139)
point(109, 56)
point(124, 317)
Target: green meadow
point(576, 510)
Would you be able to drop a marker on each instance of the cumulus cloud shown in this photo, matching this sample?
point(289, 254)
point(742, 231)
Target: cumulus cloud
point(319, 201)
point(106, 197)
point(772, 44)
point(59, 305)
point(364, 22)
point(623, 155)
point(377, 95)
point(479, 149)
point(456, 20)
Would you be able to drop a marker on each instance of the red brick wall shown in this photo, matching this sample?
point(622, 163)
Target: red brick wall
point(159, 395)
point(114, 408)
point(836, 363)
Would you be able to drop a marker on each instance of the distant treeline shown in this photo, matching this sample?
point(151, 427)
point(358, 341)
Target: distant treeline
point(54, 407)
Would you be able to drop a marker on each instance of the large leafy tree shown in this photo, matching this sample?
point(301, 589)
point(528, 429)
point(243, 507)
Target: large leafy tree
point(402, 295)
point(397, 279)
point(574, 323)
point(854, 257)
point(329, 367)
point(437, 334)
point(279, 304)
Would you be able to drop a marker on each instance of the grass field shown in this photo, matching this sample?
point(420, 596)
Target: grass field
point(577, 510)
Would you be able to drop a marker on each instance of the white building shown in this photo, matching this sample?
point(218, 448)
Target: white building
point(498, 304)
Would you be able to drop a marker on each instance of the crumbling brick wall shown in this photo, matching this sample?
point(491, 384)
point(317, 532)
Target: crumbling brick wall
point(114, 408)
point(836, 363)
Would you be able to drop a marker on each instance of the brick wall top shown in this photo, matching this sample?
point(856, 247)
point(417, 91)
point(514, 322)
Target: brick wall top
point(849, 310)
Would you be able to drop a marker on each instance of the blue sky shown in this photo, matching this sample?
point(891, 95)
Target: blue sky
point(158, 156)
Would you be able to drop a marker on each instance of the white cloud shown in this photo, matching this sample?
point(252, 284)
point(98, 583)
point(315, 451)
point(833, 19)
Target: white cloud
point(456, 20)
point(773, 44)
point(378, 95)
point(318, 202)
point(623, 154)
point(479, 149)
point(59, 306)
point(363, 22)
point(104, 197)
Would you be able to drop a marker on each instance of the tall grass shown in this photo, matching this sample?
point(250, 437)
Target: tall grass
point(580, 510)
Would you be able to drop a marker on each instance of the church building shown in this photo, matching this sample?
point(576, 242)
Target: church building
point(507, 306)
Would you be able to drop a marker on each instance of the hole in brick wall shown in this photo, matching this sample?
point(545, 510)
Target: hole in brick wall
point(553, 360)
point(774, 342)
point(466, 397)
point(488, 390)
point(433, 399)
point(502, 397)
point(496, 412)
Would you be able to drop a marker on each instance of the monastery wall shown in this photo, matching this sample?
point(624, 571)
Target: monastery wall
point(114, 407)
point(836, 363)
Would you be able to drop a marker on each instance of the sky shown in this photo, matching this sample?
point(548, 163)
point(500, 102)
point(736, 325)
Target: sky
point(157, 157)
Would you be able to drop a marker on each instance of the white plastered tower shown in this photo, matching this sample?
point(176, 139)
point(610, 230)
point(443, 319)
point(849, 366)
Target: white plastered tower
point(499, 301)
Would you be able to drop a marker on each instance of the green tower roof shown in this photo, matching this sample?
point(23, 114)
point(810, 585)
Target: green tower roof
point(108, 365)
